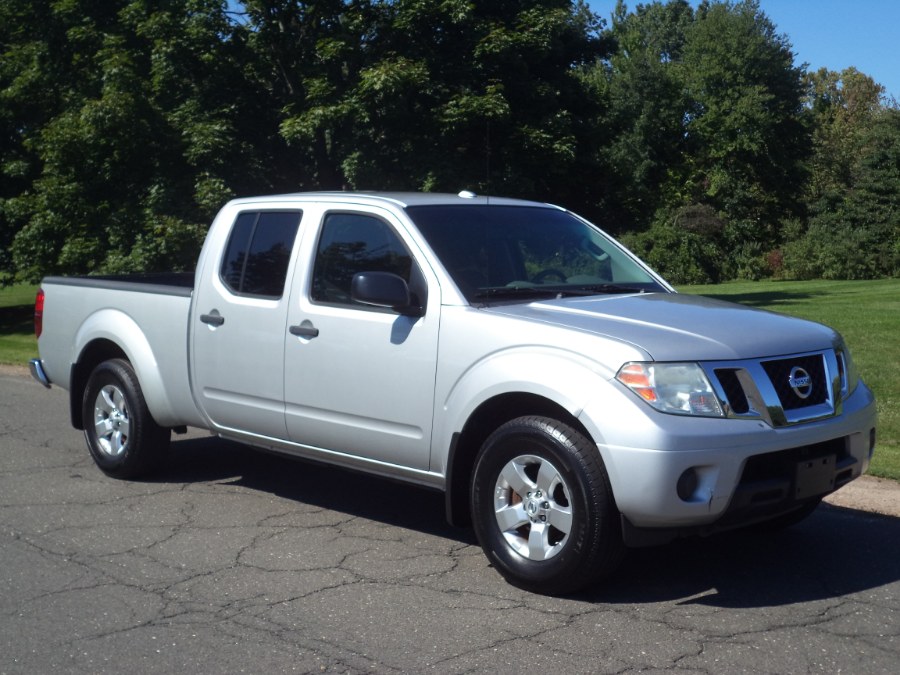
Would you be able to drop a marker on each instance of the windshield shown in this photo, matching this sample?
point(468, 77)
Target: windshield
point(526, 252)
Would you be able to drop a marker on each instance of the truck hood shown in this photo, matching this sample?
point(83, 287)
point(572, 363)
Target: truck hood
point(674, 327)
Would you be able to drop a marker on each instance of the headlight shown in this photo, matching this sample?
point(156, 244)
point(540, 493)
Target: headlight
point(678, 388)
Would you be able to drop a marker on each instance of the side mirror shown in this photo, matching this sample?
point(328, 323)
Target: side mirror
point(383, 289)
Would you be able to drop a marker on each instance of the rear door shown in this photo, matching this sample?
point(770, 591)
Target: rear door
point(359, 379)
point(240, 317)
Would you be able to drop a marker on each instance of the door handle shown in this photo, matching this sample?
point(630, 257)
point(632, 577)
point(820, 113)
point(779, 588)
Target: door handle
point(214, 319)
point(304, 330)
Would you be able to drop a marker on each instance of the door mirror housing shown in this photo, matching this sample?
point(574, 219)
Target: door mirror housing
point(384, 289)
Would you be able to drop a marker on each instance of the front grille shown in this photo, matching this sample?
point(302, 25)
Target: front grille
point(779, 391)
point(779, 373)
point(734, 393)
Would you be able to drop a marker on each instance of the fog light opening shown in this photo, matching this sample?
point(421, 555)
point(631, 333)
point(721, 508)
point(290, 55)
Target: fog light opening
point(871, 442)
point(687, 484)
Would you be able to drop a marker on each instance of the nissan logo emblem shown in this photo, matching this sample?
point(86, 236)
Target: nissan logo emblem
point(800, 382)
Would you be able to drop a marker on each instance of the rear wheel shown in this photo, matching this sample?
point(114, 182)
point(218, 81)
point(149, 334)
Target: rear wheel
point(542, 507)
point(124, 439)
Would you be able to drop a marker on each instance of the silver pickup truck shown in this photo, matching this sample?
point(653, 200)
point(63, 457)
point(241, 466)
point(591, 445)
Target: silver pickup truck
point(566, 400)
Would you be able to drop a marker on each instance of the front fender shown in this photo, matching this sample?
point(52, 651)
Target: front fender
point(566, 378)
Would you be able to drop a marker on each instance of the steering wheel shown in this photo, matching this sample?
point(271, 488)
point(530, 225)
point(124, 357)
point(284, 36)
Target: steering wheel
point(549, 272)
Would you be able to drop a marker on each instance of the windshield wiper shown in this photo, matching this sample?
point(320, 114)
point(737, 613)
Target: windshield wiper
point(596, 289)
point(500, 292)
point(517, 292)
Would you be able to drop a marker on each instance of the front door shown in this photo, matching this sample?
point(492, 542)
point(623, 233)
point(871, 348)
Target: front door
point(359, 379)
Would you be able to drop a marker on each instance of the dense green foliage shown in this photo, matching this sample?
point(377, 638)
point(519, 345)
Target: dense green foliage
point(125, 124)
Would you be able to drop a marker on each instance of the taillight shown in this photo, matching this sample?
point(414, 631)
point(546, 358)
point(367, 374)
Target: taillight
point(39, 313)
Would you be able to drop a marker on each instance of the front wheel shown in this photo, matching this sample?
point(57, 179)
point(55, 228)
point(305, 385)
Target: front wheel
point(542, 507)
point(124, 439)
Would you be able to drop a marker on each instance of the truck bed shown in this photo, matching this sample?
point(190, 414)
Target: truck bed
point(143, 316)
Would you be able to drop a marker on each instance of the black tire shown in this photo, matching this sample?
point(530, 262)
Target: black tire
point(563, 533)
point(124, 439)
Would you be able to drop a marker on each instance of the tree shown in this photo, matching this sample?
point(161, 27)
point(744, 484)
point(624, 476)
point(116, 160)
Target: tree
point(124, 125)
point(745, 126)
point(855, 233)
point(841, 108)
point(640, 86)
point(853, 196)
point(442, 96)
point(143, 126)
point(127, 123)
point(32, 75)
point(706, 111)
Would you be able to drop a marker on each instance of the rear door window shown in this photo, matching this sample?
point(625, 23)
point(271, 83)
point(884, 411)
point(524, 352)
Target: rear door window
point(259, 252)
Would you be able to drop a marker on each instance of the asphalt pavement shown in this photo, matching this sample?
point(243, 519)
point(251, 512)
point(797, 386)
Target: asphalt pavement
point(234, 561)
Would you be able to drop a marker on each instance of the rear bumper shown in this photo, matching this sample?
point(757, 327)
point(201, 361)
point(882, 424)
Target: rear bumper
point(37, 372)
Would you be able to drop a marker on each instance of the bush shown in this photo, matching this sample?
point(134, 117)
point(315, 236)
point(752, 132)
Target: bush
point(839, 250)
point(683, 247)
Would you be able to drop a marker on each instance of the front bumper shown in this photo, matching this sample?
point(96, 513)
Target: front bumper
point(733, 472)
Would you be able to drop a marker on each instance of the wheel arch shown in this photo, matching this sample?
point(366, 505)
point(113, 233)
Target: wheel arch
point(466, 443)
point(111, 333)
point(92, 355)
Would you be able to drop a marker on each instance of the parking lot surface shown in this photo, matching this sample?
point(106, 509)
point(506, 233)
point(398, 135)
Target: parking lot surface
point(234, 561)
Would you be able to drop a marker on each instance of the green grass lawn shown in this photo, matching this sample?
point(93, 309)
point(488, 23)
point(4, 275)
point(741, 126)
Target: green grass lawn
point(867, 314)
point(17, 342)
